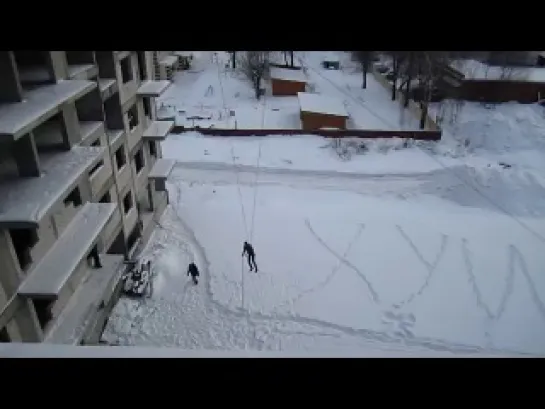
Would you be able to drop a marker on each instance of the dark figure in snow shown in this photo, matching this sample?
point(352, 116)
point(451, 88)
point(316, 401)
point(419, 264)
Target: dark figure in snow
point(95, 257)
point(194, 272)
point(249, 250)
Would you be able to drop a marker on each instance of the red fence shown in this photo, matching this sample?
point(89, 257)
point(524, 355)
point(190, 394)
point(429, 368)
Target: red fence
point(349, 133)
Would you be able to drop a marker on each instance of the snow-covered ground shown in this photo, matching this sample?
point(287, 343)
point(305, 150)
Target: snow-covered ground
point(393, 246)
point(211, 91)
point(383, 245)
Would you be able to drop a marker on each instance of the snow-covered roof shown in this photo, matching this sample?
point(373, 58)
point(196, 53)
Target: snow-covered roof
point(288, 75)
point(39, 104)
point(153, 88)
point(25, 201)
point(158, 130)
point(331, 58)
point(169, 60)
point(80, 312)
point(476, 70)
point(321, 104)
point(50, 275)
point(161, 169)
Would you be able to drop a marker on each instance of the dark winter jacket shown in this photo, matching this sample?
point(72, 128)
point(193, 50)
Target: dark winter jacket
point(248, 249)
point(193, 270)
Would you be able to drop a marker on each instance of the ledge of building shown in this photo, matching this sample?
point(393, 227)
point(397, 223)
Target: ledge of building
point(107, 87)
point(161, 169)
point(39, 104)
point(26, 201)
point(86, 303)
point(115, 137)
point(82, 71)
point(158, 130)
point(90, 130)
point(119, 55)
point(50, 275)
point(153, 88)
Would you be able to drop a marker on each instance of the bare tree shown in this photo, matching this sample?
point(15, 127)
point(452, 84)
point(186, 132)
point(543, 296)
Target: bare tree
point(254, 65)
point(287, 62)
point(510, 63)
point(365, 58)
point(233, 59)
point(398, 58)
point(408, 71)
point(431, 65)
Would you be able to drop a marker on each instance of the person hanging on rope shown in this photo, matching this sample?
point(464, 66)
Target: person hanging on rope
point(249, 251)
point(194, 272)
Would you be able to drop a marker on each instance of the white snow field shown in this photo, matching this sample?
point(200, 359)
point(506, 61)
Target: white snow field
point(365, 248)
point(354, 258)
point(206, 95)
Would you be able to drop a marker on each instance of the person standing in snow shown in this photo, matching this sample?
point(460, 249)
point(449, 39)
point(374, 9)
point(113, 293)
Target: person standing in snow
point(249, 251)
point(194, 272)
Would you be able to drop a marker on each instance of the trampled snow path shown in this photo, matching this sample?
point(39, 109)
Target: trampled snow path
point(195, 319)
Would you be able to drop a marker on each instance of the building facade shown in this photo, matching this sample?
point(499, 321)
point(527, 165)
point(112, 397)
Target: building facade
point(165, 64)
point(79, 157)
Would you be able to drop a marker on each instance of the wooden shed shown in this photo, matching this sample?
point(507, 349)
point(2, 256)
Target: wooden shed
point(319, 111)
point(287, 82)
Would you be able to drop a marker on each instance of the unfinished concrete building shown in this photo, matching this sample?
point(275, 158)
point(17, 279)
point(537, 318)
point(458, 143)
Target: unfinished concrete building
point(79, 155)
point(165, 65)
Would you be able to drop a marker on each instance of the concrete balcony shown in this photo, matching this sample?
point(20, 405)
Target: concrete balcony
point(101, 175)
point(128, 90)
point(26, 201)
point(112, 228)
point(130, 219)
point(141, 178)
point(82, 71)
point(153, 89)
point(86, 305)
point(134, 137)
point(90, 131)
point(124, 177)
point(160, 172)
point(107, 87)
point(158, 130)
point(39, 104)
point(115, 138)
point(32, 350)
point(53, 272)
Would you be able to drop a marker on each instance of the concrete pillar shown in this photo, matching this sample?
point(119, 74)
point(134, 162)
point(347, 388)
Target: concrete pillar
point(85, 190)
point(150, 196)
point(27, 321)
point(71, 133)
point(10, 87)
point(57, 65)
point(10, 272)
point(26, 156)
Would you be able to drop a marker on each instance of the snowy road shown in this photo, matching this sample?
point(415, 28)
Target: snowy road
point(232, 309)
